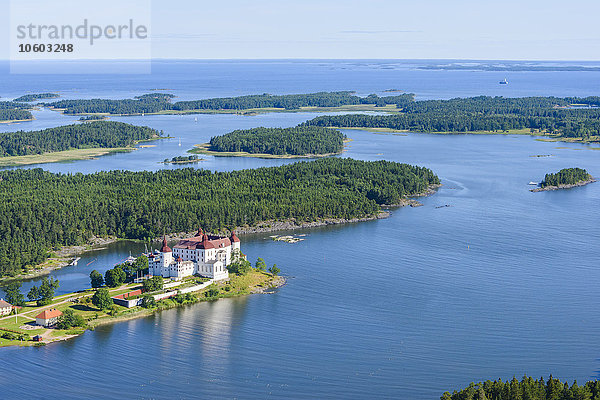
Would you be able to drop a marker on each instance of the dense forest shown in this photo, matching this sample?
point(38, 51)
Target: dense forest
point(527, 389)
point(546, 114)
point(154, 102)
point(11, 111)
point(40, 210)
point(39, 96)
point(14, 115)
point(566, 176)
point(76, 136)
point(281, 141)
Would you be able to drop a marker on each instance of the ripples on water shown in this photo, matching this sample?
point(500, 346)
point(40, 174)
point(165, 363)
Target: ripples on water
point(502, 283)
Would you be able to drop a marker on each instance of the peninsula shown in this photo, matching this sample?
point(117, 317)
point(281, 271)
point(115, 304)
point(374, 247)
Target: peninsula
point(71, 142)
point(261, 142)
point(66, 210)
point(11, 111)
point(200, 268)
point(565, 179)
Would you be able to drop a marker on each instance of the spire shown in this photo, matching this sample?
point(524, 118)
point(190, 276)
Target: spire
point(165, 248)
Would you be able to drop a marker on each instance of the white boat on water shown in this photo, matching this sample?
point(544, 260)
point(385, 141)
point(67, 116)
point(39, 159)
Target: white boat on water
point(504, 82)
point(75, 261)
point(533, 183)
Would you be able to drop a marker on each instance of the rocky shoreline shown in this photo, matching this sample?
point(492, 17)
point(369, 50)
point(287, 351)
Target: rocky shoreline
point(64, 256)
point(549, 188)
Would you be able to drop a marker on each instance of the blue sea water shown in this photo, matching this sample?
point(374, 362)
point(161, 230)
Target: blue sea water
point(502, 282)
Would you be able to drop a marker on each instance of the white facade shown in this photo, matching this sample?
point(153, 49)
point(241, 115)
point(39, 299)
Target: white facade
point(203, 255)
point(5, 308)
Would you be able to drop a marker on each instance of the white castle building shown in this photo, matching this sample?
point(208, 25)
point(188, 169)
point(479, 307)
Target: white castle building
point(203, 255)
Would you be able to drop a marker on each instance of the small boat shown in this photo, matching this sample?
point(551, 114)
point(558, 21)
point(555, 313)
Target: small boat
point(75, 261)
point(504, 82)
point(533, 183)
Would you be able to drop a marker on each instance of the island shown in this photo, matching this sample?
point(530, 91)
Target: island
point(71, 142)
point(39, 96)
point(262, 142)
point(11, 111)
point(67, 210)
point(93, 117)
point(527, 387)
point(183, 160)
point(552, 117)
point(564, 179)
point(160, 103)
point(189, 272)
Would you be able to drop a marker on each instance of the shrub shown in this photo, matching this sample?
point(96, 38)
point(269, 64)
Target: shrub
point(148, 302)
point(70, 320)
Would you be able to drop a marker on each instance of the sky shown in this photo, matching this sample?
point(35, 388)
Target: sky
point(373, 29)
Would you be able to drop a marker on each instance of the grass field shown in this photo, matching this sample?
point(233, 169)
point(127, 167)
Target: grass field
point(254, 281)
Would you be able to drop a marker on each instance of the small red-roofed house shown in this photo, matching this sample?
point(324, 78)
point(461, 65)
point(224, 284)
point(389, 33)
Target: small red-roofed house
point(48, 317)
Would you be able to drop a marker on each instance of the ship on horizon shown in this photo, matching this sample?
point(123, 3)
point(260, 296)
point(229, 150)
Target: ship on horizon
point(504, 82)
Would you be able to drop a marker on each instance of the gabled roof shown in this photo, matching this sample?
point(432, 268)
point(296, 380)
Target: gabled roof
point(51, 313)
point(4, 304)
point(233, 237)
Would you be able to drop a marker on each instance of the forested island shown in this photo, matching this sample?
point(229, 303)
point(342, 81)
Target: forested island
point(161, 103)
point(11, 111)
point(91, 135)
point(41, 211)
point(564, 179)
point(285, 142)
point(527, 388)
point(93, 117)
point(182, 160)
point(533, 115)
point(33, 97)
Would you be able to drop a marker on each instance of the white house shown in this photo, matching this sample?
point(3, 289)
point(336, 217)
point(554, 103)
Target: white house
point(5, 307)
point(48, 317)
point(202, 254)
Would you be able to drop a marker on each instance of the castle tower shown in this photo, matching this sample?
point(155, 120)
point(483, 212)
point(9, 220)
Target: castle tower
point(166, 254)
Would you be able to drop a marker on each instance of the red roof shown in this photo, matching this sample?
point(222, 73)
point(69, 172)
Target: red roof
point(200, 232)
point(4, 304)
point(204, 242)
point(51, 313)
point(234, 238)
point(165, 248)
